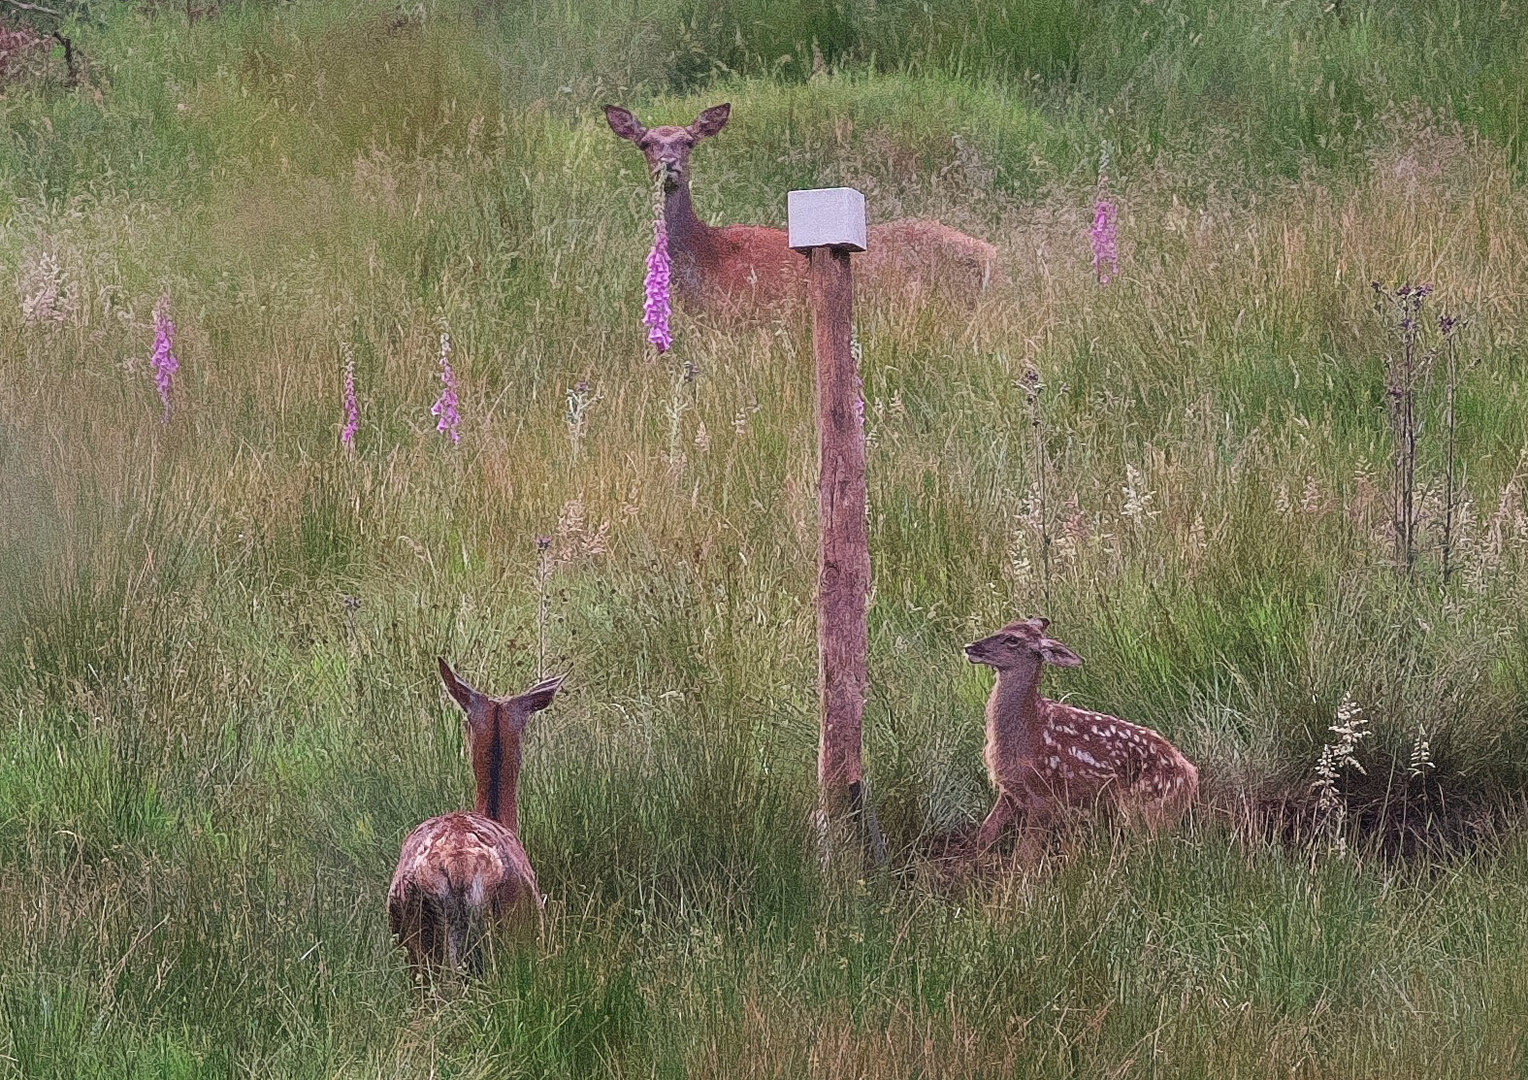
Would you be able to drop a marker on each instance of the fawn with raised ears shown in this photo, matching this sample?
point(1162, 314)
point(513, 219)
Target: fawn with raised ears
point(734, 265)
point(1044, 756)
point(461, 875)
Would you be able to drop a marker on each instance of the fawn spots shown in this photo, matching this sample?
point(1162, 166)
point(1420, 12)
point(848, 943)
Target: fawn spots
point(1045, 756)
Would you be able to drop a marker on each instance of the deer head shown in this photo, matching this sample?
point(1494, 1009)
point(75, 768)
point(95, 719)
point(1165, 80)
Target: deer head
point(1021, 645)
point(495, 732)
point(667, 149)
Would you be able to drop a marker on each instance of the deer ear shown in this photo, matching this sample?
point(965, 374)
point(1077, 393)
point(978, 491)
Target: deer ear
point(1056, 653)
point(465, 696)
point(539, 696)
point(623, 123)
point(1038, 623)
point(711, 121)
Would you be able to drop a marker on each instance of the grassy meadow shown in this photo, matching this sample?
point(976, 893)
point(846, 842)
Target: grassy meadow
point(218, 707)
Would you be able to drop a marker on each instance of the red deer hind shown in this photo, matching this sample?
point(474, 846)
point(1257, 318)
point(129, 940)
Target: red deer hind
point(1044, 755)
point(732, 265)
point(461, 875)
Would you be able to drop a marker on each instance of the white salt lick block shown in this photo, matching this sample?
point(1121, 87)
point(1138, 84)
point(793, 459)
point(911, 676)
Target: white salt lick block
point(826, 217)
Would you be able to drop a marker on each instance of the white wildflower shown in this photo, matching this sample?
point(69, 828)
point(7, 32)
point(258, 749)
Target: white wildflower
point(1350, 728)
point(46, 293)
point(1311, 502)
point(575, 539)
point(1421, 753)
point(1136, 504)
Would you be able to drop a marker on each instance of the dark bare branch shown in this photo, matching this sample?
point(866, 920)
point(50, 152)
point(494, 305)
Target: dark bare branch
point(21, 5)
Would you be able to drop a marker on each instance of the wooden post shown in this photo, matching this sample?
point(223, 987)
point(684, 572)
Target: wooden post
point(827, 225)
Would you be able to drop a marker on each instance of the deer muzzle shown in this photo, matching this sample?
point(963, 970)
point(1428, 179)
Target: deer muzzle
point(668, 173)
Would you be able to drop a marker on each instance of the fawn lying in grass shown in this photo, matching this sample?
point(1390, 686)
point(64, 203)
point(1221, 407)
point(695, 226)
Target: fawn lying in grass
point(1044, 756)
point(461, 875)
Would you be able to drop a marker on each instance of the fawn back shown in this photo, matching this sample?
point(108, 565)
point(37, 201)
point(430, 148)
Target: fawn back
point(463, 874)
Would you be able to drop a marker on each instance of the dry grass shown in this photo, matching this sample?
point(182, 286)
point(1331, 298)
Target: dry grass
point(219, 633)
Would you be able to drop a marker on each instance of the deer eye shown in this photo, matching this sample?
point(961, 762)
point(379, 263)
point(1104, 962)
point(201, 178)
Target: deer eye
point(1011, 641)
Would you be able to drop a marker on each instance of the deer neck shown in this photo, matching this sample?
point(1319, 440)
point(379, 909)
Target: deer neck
point(691, 241)
point(498, 781)
point(684, 227)
point(1013, 712)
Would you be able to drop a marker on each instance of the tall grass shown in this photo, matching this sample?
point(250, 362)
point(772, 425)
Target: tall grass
point(217, 635)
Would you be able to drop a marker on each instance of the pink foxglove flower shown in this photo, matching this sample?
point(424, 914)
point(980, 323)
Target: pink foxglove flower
point(164, 360)
point(1104, 234)
point(450, 421)
point(352, 408)
point(656, 309)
